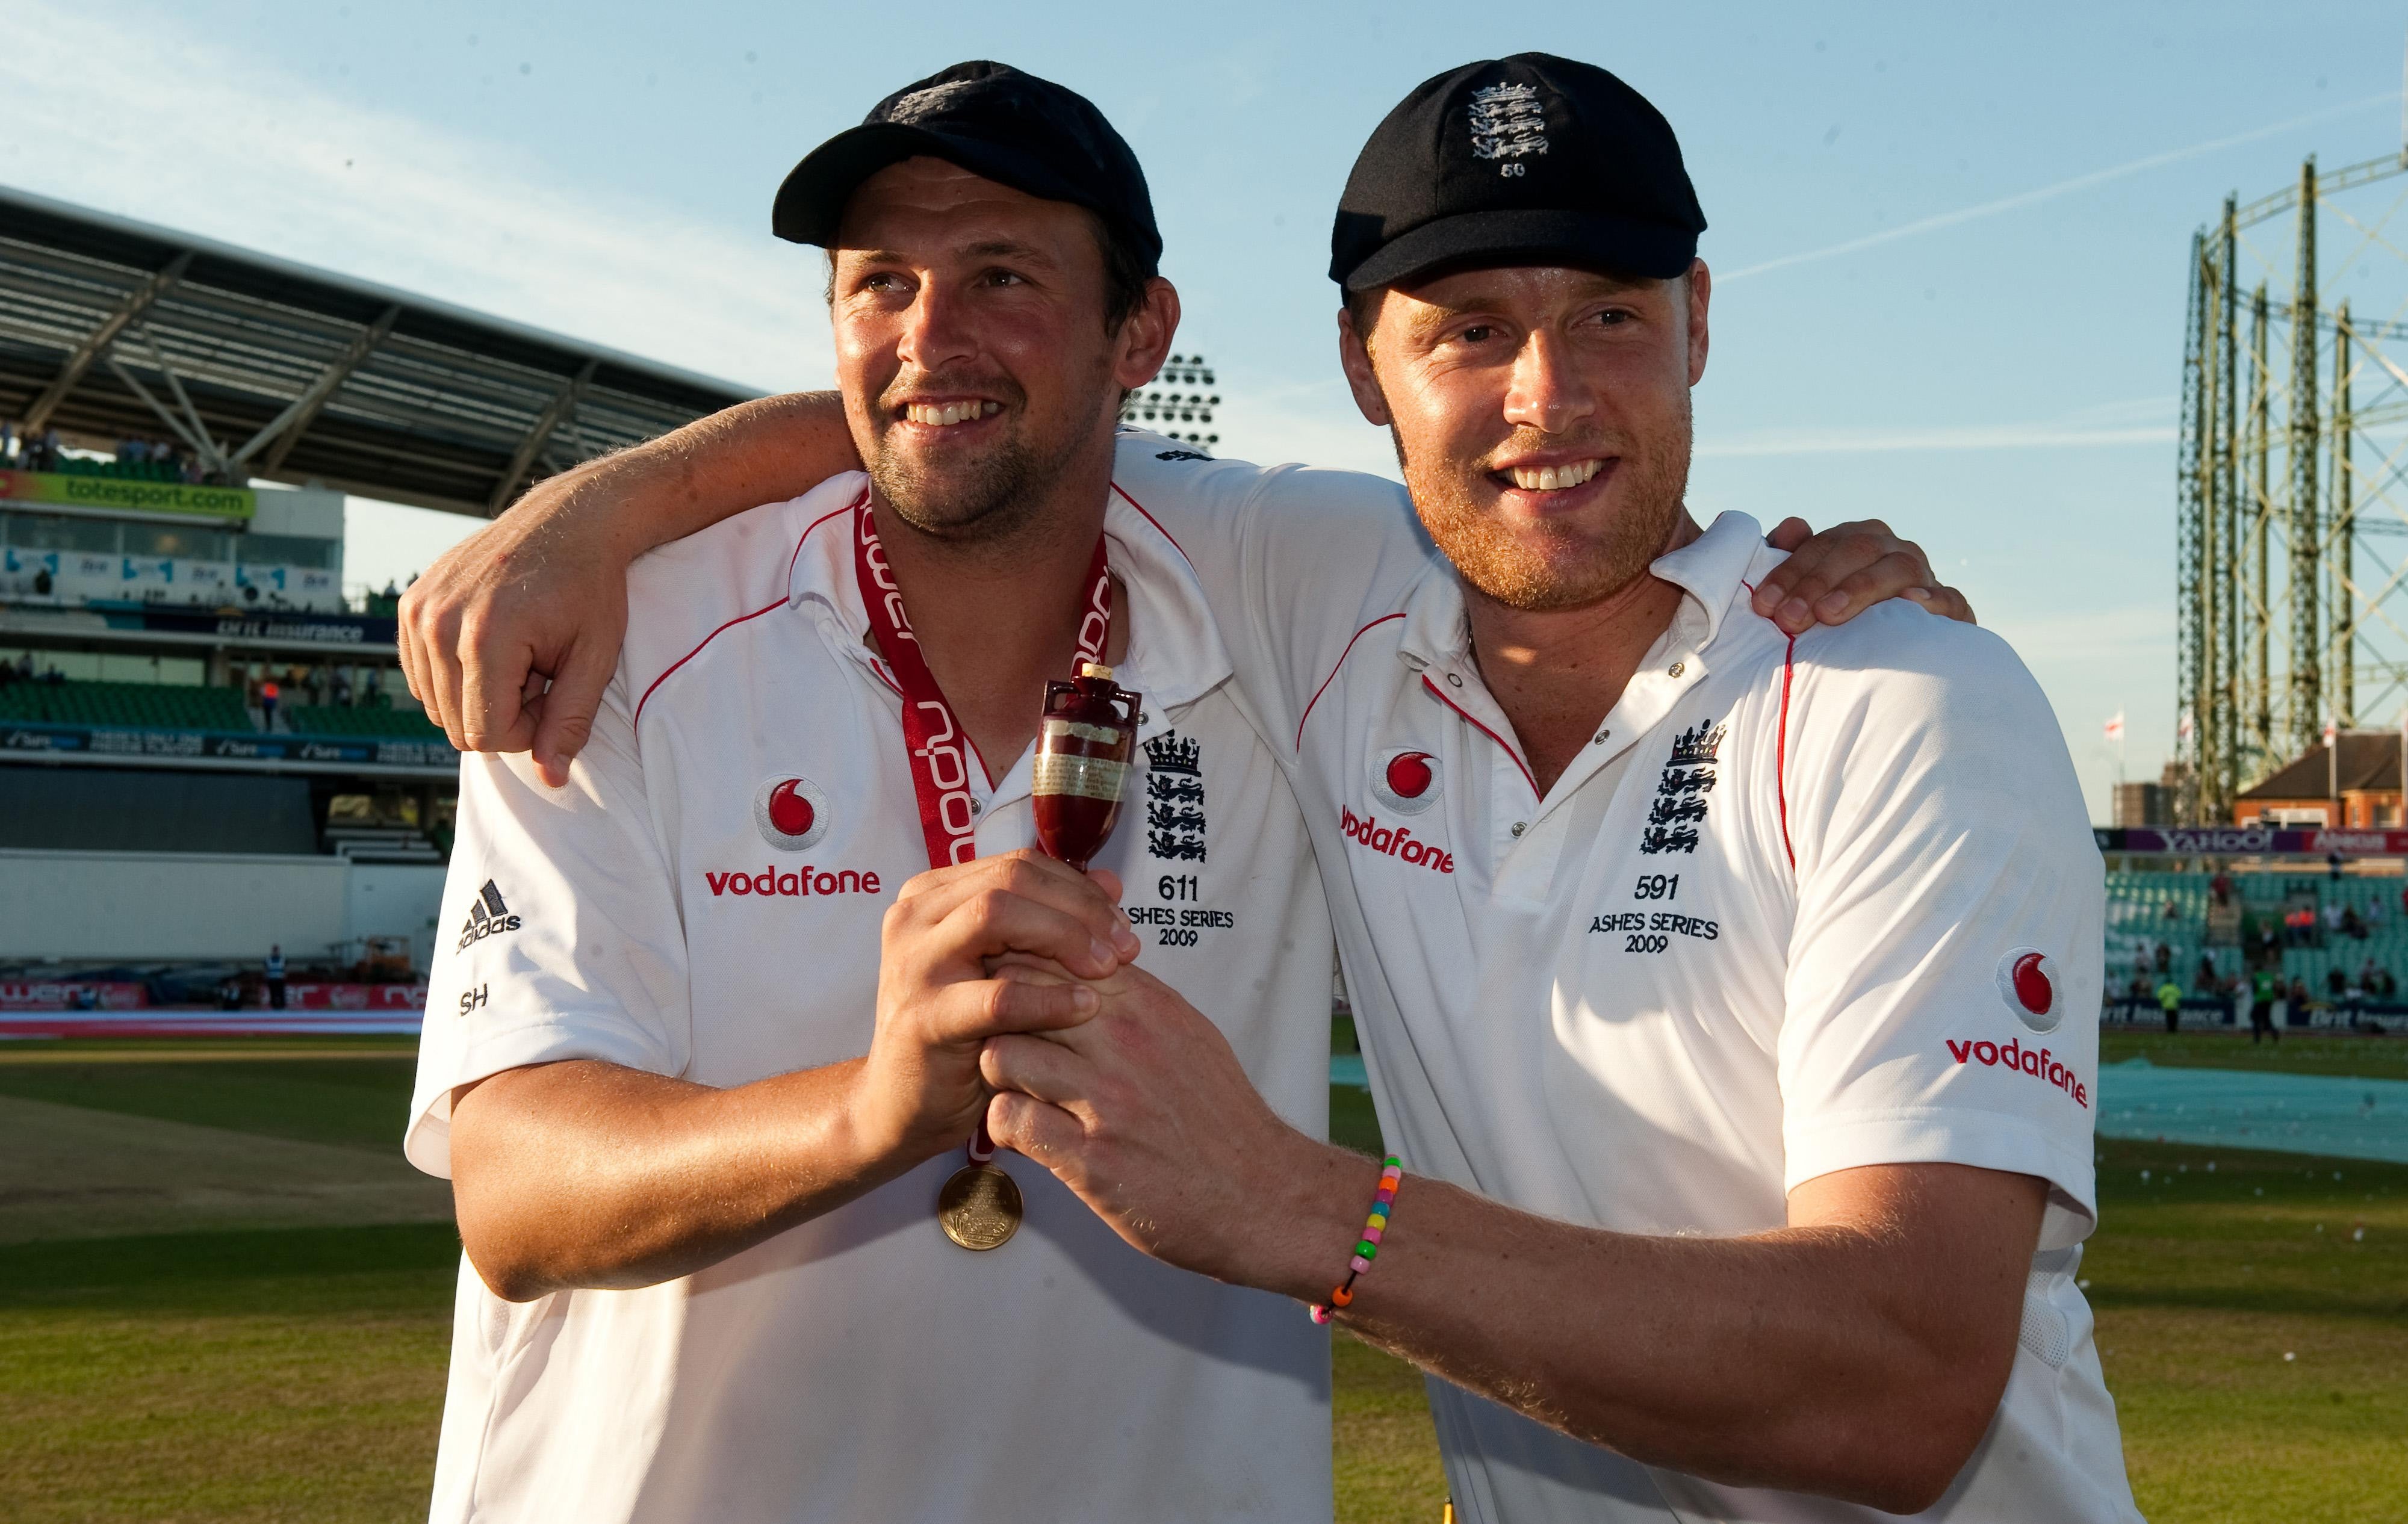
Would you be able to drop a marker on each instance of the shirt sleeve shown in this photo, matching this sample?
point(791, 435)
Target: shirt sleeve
point(560, 938)
point(1294, 559)
point(1946, 963)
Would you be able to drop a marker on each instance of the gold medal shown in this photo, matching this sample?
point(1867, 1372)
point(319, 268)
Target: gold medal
point(979, 1207)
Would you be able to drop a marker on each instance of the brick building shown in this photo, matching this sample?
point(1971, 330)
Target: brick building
point(2303, 792)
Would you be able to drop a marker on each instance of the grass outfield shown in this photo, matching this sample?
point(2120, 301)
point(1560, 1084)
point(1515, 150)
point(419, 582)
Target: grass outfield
point(2298, 1053)
point(295, 1372)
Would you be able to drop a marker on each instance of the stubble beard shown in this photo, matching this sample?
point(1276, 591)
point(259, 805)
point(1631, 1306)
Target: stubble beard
point(991, 496)
point(1549, 568)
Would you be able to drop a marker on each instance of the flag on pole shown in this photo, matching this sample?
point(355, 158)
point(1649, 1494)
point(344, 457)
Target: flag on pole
point(2332, 731)
point(2115, 726)
point(2181, 726)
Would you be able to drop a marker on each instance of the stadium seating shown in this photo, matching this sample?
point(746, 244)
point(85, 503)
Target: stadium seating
point(127, 705)
point(2137, 923)
point(400, 724)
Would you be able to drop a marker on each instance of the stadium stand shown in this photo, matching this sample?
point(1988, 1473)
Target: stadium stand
point(404, 724)
point(144, 705)
point(2355, 922)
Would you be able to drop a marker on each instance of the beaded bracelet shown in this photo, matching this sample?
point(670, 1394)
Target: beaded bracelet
point(1391, 1174)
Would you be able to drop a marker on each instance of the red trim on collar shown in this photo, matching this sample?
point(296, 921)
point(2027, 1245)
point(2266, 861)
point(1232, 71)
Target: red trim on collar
point(1484, 731)
point(1155, 522)
point(1333, 671)
point(739, 619)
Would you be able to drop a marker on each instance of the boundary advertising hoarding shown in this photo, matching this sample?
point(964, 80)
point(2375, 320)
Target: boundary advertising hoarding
point(2249, 841)
point(110, 744)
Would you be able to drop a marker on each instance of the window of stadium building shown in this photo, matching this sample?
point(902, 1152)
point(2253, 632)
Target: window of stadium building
point(175, 540)
point(288, 550)
point(58, 532)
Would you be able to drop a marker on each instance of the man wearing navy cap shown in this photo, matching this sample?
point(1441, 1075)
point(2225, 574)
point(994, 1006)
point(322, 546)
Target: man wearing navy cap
point(707, 1084)
point(1747, 1144)
point(1540, 412)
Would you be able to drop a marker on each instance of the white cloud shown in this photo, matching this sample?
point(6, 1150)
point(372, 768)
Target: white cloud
point(154, 122)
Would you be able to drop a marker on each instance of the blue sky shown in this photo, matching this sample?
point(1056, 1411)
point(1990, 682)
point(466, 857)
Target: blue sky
point(1951, 238)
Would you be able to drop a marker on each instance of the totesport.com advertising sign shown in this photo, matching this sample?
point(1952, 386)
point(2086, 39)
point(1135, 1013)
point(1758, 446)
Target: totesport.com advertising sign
point(127, 495)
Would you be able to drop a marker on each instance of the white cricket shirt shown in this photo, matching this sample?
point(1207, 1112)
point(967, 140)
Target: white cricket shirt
point(703, 901)
point(1798, 908)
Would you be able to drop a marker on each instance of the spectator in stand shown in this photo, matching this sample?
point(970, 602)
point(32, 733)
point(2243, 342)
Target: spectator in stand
point(2300, 1000)
point(2366, 975)
point(2207, 981)
point(2169, 1002)
point(2264, 1002)
point(2165, 958)
point(2385, 987)
point(342, 687)
point(2336, 982)
point(2332, 865)
point(269, 694)
point(2374, 914)
point(276, 977)
point(2332, 919)
point(2172, 913)
point(2243, 1007)
point(2221, 887)
point(2351, 925)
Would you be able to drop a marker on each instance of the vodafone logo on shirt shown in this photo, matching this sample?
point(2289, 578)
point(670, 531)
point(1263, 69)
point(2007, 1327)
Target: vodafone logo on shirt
point(1405, 781)
point(797, 883)
point(2036, 1062)
point(2027, 982)
point(1396, 841)
point(791, 813)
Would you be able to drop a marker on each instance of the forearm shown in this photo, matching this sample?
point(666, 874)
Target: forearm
point(1795, 1359)
point(585, 1173)
point(761, 451)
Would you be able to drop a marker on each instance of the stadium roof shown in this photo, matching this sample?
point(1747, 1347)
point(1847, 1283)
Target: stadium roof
point(2369, 762)
point(112, 328)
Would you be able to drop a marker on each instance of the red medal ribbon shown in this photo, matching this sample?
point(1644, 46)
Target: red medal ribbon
point(939, 748)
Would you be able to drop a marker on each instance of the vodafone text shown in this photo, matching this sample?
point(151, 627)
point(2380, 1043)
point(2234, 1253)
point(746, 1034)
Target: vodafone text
point(1394, 841)
point(2035, 1062)
point(770, 881)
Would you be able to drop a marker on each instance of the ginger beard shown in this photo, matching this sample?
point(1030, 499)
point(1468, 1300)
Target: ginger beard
point(1558, 564)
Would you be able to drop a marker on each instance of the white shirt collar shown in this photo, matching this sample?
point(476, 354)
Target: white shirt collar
point(1175, 654)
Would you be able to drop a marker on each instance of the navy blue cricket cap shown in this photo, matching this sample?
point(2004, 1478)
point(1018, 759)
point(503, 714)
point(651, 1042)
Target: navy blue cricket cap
point(995, 121)
point(1527, 160)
